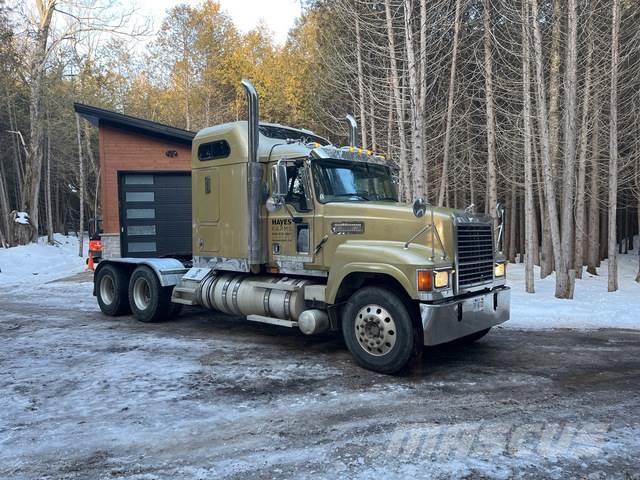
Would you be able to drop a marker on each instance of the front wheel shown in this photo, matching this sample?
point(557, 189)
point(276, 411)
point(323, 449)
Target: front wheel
point(150, 302)
point(379, 331)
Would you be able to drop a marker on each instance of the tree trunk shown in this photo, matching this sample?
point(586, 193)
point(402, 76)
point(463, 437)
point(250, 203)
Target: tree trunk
point(546, 255)
point(48, 192)
point(423, 95)
point(361, 96)
point(638, 213)
point(450, 101)
point(397, 98)
point(582, 161)
point(372, 117)
point(613, 148)
point(81, 187)
point(593, 243)
point(33, 173)
point(18, 146)
point(417, 160)
point(492, 189)
point(568, 170)
point(554, 83)
point(4, 210)
point(548, 180)
point(513, 221)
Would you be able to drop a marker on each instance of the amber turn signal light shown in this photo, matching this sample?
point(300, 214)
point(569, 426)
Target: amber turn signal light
point(425, 280)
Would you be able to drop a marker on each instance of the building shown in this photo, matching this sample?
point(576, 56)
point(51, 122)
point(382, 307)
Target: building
point(145, 185)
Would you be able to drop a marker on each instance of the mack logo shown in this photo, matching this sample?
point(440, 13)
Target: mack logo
point(281, 221)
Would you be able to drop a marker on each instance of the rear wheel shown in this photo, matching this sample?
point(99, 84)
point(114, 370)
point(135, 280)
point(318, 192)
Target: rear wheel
point(149, 301)
point(111, 290)
point(379, 331)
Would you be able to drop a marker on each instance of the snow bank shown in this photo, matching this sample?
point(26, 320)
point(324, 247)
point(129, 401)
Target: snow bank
point(41, 262)
point(592, 306)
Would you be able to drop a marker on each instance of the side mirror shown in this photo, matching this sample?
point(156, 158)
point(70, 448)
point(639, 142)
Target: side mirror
point(419, 207)
point(500, 212)
point(500, 215)
point(280, 184)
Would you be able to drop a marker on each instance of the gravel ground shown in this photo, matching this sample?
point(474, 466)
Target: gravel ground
point(83, 395)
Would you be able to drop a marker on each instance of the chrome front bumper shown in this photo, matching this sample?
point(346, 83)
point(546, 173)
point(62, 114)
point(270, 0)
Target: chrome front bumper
point(457, 318)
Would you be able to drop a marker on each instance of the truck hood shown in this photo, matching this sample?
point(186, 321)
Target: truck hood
point(391, 222)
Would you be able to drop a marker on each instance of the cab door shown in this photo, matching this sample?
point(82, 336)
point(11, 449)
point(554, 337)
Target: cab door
point(290, 229)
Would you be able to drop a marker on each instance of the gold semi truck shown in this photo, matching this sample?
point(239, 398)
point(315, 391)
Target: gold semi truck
point(292, 231)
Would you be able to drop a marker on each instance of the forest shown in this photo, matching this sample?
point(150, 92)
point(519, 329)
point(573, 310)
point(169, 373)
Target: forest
point(531, 103)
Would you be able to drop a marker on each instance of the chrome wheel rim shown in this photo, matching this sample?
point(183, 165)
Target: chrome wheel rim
point(141, 293)
point(107, 290)
point(375, 330)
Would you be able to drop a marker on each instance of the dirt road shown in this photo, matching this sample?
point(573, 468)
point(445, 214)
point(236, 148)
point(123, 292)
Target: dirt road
point(87, 396)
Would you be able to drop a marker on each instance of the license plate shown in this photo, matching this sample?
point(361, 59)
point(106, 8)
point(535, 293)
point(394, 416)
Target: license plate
point(478, 304)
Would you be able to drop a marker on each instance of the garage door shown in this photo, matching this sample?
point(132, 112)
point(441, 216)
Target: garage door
point(155, 214)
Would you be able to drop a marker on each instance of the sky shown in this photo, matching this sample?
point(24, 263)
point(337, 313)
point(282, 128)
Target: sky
point(278, 15)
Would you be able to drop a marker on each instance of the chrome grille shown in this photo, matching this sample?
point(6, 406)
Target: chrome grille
point(475, 254)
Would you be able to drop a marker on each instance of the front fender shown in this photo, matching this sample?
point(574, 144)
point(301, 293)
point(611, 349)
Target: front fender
point(380, 257)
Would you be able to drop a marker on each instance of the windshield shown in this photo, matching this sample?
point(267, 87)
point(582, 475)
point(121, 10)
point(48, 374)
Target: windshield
point(347, 181)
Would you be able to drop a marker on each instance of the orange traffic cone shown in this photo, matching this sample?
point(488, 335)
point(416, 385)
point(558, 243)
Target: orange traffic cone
point(90, 262)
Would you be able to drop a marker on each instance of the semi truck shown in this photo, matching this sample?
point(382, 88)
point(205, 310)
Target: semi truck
point(293, 231)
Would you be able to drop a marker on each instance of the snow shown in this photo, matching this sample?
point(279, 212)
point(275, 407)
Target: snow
point(592, 307)
point(22, 218)
point(40, 262)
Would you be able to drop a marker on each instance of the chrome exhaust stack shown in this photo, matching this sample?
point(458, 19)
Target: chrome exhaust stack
point(254, 179)
point(353, 129)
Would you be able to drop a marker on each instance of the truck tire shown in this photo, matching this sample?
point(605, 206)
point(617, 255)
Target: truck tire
point(111, 289)
point(379, 331)
point(149, 301)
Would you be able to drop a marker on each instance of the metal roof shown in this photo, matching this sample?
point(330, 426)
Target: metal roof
point(100, 117)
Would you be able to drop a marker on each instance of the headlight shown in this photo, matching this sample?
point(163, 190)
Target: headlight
point(500, 269)
point(429, 280)
point(441, 279)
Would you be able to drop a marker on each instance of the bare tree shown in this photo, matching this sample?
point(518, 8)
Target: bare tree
point(397, 99)
point(568, 171)
point(580, 216)
point(548, 180)
point(528, 171)
point(450, 99)
point(492, 188)
point(613, 146)
point(81, 188)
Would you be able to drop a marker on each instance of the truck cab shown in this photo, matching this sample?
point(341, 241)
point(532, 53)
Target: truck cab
point(293, 231)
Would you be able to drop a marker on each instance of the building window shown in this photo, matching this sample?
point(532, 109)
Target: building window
point(141, 230)
point(140, 196)
point(141, 213)
point(138, 180)
point(136, 247)
point(214, 150)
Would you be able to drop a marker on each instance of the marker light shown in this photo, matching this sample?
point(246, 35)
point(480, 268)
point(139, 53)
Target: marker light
point(425, 280)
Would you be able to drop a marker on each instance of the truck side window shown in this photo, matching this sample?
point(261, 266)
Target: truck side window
point(296, 192)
